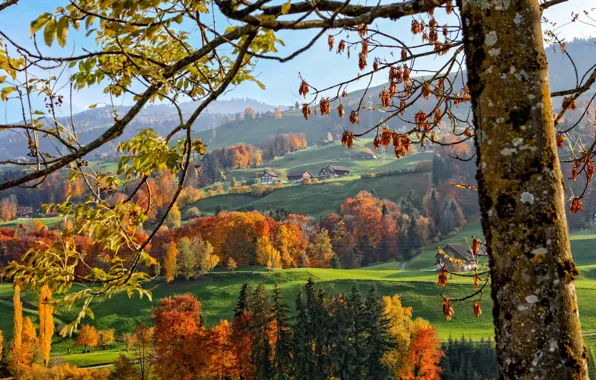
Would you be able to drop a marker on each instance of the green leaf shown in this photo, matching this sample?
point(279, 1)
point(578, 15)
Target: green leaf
point(49, 32)
point(38, 23)
point(89, 313)
point(62, 31)
point(286, 7)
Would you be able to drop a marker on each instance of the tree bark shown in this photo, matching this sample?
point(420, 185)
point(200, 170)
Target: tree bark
point(537, 328)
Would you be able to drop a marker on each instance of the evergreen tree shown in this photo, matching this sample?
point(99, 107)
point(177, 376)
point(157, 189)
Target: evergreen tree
point(282, 364)
point(378, 340)
point(243, 302)
point(358, 317)
point(335, 262)
point(261, 348)
point(343, 355)
point(302, 342)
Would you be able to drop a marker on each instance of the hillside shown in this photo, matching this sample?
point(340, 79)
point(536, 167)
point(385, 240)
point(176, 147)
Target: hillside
point(318, 200)
point(218, 292)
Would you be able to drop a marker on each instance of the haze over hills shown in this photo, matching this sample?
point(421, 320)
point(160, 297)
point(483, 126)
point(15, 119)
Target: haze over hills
point(160, 116)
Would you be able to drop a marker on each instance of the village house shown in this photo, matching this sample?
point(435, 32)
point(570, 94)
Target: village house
point(269, 177)
point(24, 212)
point(458, 252)
point(299, 175)
point(364, 156)
point(332, 171)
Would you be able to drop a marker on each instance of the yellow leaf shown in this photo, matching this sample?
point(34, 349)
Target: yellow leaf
point(49, 32)
point(5, 92)
point(38, 23)
point(261, 85)
point(62, 31)
point(286, 7)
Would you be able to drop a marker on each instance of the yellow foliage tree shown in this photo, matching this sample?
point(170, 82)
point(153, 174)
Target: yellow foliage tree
point(46, 323)
point(267, 255)
point(106, 337)
point(18, 318)
point(67, 371)
point(1, 344)
point(170, 262)
point(400, 327)
point(173, 218)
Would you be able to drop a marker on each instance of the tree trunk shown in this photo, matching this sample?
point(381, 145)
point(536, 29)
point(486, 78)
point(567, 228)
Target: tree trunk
point(537, 328)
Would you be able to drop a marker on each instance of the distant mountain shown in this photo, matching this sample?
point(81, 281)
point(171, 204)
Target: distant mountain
point(161, 117)
point(562, 75)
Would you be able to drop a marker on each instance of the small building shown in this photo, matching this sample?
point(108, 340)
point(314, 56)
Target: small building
point(24, 212)
point(269, 177)
point(337, 137)
point(364, 156)
point(332, 171)
point(459, 252)
point(299, 175)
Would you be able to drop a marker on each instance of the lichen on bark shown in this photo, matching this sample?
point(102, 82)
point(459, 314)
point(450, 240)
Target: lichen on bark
point(537, 329)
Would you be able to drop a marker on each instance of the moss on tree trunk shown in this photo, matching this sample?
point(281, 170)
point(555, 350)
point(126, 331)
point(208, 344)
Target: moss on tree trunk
point(538, 334)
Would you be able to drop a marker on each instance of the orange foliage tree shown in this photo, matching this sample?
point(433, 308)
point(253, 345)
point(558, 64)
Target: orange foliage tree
point(46, 323)
point(87, 337)
point(425, 353)
point(179, 335)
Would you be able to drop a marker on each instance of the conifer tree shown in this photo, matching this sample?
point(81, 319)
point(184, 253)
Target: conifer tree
point(243, 302)
point(302, 343)
point(261, 347)
point(358, 333)
point(378, 339)
point(343, 356)
point(283, 336)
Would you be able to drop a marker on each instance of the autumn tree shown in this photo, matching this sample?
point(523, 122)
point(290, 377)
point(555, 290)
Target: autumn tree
point(1, 345)
point(170, 262)
point(186, 259)
point(205, 259)
point(46, 323)
point(220, 344)
point(425, 353)
point(8, 208)
point(267, 255)
point(126, 339)
point(231, 264)
point(173, 219)
point(143, 345)
point(106, 337)
point(179, 333)
point(277, 113)
point(124, 369)
point(250, 113)
point(87, 337)
point(321, 250)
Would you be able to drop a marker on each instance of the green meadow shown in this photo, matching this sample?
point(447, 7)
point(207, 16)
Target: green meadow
point(218, 292)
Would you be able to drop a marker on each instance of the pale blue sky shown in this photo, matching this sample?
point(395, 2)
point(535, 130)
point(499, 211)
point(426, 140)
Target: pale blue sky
point(318, 66)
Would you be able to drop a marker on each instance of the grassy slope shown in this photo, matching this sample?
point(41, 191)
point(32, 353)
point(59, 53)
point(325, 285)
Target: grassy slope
point(253, 132)
point(218, 291)
point(320, 199)
point(323, 198)
point(49, 221)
